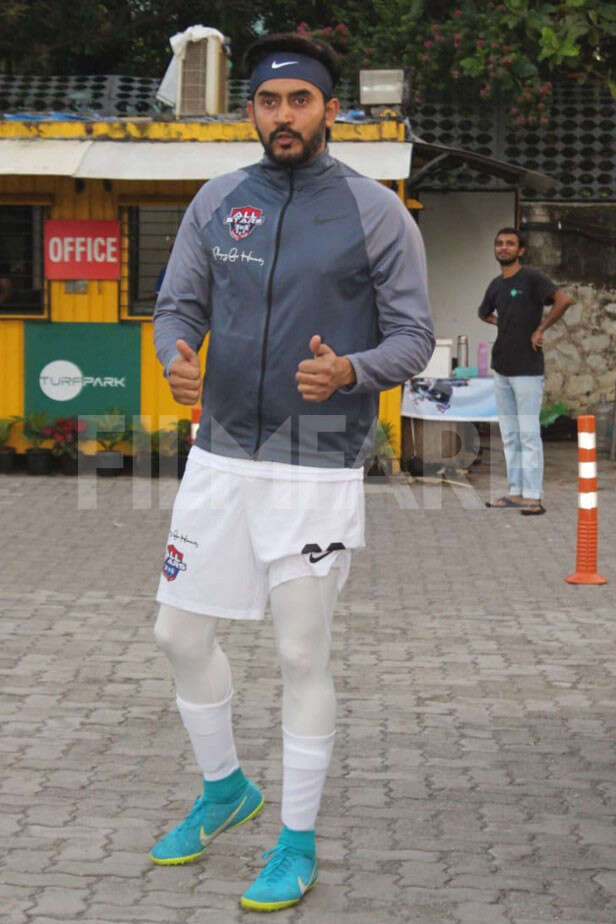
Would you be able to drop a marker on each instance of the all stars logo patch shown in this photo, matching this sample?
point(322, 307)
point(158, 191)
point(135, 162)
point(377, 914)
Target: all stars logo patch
point(173, 563)
point(243, 221)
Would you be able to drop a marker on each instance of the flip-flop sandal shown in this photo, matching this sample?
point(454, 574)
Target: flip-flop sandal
point(535, 511)
point(501, 503)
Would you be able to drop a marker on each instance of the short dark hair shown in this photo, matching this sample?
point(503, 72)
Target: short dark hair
point(520, 237)
point(292, 41)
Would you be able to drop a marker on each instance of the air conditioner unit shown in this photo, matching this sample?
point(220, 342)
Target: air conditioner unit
point(202, 85)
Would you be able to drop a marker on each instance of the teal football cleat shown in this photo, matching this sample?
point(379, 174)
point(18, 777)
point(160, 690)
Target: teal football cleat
point(206, 820)
point(284, 881)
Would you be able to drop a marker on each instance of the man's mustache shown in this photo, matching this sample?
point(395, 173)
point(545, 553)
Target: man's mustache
point(284, 131)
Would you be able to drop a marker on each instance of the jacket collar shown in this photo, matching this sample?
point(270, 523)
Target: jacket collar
point(303, 174)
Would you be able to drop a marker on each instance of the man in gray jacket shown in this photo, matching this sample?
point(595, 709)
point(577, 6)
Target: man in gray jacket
point(311, 282)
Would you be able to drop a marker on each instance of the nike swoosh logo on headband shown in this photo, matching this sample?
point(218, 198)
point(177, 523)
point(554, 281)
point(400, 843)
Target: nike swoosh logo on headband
point(276, 64)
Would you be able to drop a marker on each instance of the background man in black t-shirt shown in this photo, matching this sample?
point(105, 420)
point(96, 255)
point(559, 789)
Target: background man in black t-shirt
point(514, 301)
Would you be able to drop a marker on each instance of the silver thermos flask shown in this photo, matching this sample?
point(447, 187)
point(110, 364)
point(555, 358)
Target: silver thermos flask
point(462, 354)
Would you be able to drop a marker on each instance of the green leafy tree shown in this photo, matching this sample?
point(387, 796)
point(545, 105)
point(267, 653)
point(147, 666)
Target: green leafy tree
point(50, 37)
point(60, 37)
point(514, 51)
point(509, 52)
point(155, 21)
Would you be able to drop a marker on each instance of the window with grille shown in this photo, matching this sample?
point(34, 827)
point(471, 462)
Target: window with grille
point(23, 292)
point(148, 233)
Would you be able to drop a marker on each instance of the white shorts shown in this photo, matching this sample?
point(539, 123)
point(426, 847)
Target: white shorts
point(240, 528)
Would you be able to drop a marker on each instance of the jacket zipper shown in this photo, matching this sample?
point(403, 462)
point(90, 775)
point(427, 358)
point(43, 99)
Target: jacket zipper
point(270, 286)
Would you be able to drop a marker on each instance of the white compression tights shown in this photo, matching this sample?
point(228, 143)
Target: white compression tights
point(302, 612)
point(200, 667)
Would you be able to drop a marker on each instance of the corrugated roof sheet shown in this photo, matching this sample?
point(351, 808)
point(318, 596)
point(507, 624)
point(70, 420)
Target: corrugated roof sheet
point(177, 160)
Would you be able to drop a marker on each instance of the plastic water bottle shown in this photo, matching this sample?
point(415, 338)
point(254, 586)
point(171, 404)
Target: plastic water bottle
point(482, 359)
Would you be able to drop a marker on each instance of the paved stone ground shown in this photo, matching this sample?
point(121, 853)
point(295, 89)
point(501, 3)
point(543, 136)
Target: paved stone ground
point(474, 777)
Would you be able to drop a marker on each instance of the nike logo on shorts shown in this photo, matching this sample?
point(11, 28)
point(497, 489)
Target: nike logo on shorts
point(313, 559)
point(316, 553)
point(276, 64)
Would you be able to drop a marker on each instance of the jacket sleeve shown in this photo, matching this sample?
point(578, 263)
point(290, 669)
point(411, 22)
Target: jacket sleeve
point(399, 278)
point(183, 305)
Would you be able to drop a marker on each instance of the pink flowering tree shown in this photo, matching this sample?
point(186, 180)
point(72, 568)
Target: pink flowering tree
point(509, 52)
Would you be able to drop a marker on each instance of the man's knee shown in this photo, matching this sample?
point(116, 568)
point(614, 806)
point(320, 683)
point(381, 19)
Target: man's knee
point(301, 661)
point(530, 436)
point(183, 635)
point(166, 632)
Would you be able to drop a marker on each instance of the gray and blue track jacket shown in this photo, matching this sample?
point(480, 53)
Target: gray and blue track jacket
point(265, 258)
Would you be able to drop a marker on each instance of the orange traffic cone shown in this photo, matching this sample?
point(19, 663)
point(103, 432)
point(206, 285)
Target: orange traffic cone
point(586, 564)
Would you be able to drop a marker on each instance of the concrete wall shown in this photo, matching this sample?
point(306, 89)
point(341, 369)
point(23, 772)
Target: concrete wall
point(458, 229)
point(580, 350)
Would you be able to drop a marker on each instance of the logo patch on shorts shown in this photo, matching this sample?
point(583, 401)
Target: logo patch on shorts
point(243, 221)
point(173, 563)
point(315, 553)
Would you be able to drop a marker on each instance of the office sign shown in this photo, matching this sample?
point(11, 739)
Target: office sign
point(82, 249)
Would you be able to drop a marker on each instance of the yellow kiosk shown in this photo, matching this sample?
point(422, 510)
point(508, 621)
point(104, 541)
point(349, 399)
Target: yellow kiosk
point(88, 212)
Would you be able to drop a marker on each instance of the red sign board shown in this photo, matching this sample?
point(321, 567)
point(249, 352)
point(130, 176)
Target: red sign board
point(82, 249)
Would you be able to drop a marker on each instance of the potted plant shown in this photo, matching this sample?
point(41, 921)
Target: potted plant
point(65, 432)
point(7, 453)
point(174, 446)
point(111, 431)
point(39, 459)
point(184, 442)
point(379, 464)
point(147, 445)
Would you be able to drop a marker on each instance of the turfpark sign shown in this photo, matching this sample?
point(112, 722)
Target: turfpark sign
point(82, 369)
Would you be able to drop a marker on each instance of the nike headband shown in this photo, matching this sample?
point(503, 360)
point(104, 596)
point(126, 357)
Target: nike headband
point(288, 64)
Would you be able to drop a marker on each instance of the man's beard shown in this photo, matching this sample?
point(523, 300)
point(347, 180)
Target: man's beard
point(507, 261)
point(310, 146)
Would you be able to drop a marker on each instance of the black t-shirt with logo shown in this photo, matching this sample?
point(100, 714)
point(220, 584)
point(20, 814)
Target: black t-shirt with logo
point(518, 301)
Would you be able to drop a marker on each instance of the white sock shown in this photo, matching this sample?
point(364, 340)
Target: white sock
point(305, 762)
point(211, 735)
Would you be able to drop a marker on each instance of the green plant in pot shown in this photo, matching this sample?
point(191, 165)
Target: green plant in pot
point(379, 463)
point(148, 446)
point(7, 453)
point(173, 447)
point(65, 433)
point(111, 432)
point(184, 442)
point(39, 459)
